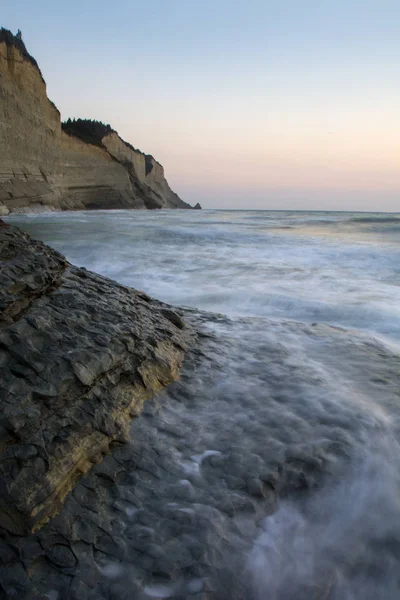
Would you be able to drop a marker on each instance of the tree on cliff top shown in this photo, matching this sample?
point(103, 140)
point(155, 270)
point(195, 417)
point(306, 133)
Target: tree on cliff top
point(16, 40)
point(87, 130)
point(92, 132)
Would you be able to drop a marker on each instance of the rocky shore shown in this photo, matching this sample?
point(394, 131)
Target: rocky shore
point(90, 509)
point(78, 356)
point(176, 504)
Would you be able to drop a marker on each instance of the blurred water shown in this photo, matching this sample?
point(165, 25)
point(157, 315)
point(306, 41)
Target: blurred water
point(339, 268)
point(305, 372)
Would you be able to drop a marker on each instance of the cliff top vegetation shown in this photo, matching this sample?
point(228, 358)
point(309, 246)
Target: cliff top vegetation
point(87, 130)
point(16, 40)
point(93, 132)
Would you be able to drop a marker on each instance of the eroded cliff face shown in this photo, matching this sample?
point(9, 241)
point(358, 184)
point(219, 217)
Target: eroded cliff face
point(90, 178)
point(147, 175)
point(43, 168)
point(79, 354)
point(29, 135)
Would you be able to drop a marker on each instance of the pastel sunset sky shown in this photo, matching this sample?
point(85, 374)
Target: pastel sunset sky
point(275, 104)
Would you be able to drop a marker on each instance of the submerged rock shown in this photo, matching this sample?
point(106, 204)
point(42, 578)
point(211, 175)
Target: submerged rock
point(79, 354)
point(237, 482)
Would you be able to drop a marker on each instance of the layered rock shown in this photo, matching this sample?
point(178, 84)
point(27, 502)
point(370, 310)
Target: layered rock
point(146, 174)
point(43, 168)
point(91, 178)
point(79, 354)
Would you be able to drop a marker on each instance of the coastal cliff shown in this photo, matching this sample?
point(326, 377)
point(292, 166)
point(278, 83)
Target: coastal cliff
point(44, 168)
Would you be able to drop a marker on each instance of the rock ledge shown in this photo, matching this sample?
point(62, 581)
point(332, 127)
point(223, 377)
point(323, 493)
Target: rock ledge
point(79, 354)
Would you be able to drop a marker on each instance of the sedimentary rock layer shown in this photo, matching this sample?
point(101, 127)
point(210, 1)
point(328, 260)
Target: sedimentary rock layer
point(79, 354)
point(43, 168)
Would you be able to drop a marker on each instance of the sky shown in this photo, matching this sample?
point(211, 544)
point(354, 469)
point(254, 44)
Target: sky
point(263, 104)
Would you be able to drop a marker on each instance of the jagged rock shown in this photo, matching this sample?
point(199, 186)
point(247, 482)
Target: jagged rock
point(43, 168)
point(79, 354)
point(197, 206)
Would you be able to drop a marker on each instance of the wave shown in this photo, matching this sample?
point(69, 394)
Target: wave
point(375, 220)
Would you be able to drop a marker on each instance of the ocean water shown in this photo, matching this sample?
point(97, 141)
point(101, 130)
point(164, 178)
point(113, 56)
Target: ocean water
point(336, 268)
point(299, 375)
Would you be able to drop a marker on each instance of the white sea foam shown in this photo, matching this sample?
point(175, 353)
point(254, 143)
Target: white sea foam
point(112, 570)
point(341, 543)
point(159, 591)
point(338, 268)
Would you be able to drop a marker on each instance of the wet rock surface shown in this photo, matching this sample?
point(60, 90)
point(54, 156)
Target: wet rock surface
point(180, 511)
point(78, 356)
point(269, 470)
point(29, 270)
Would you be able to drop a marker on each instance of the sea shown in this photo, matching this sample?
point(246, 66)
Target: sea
point(303, 373)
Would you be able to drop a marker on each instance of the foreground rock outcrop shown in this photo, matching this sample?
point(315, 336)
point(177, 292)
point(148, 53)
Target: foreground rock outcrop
point(79, 354)
point(235, 477)
point(44, 168)
point(269, 469)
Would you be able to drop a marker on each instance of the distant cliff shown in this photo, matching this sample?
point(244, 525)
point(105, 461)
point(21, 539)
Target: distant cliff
point(46, 167)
